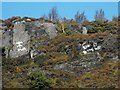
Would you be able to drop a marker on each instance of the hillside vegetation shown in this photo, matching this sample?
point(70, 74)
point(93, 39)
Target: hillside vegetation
point(64, 61)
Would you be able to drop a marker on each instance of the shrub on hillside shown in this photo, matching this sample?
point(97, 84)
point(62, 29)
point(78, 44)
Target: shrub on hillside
point(95, 27)
point(38, 80)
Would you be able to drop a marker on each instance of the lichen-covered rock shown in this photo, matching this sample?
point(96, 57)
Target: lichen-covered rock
point(110, 43)
point(44, 29)
point(20, 41)
point(50, 29)
point(7, 39)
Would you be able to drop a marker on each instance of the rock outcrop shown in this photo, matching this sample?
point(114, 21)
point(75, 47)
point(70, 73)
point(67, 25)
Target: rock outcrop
point(29, 44)
point(24, 36)
point(20, 40)
point(17, 34)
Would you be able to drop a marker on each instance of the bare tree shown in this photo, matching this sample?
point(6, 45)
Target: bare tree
point(80, 17)
point(99, 16)
point(53, 14)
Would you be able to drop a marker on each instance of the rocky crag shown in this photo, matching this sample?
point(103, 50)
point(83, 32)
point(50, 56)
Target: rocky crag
point(16, 35)
point(41, 41)
point(31, 38)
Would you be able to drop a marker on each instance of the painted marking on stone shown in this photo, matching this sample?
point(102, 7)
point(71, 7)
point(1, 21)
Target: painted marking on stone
point(85, 52)
point(20, 46)
point(22, 49)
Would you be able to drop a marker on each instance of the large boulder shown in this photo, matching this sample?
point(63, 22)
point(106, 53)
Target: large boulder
point(50, 29)
point(44, 29)
point(20, 40)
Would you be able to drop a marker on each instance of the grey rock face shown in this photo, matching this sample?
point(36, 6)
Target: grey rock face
point(17, 42)
point(1, 35)
point(80, 66)
point(38, 29)
point(7, 38)
point(50, 29)
point(6, 41)
point(40, 33)
point(3, 26)
point(20, 41)
point(110, 43)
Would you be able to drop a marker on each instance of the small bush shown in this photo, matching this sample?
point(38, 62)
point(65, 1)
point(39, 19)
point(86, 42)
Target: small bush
point(68, 32)
point(39, 80)
point(95, 27)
